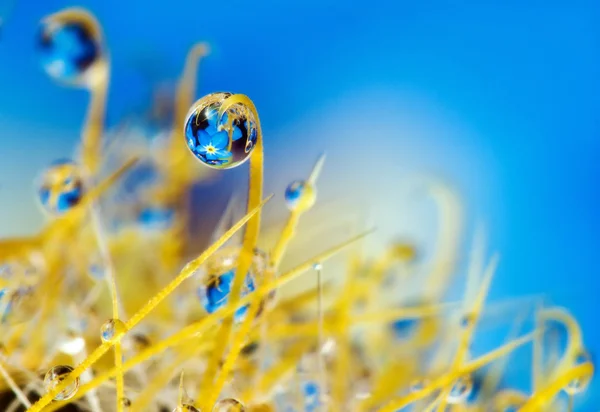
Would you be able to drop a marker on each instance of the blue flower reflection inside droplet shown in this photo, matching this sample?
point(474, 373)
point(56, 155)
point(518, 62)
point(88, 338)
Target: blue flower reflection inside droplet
point(207, 140)
point(61, 188)
point(216, 293)
point(67, 50)
point(220, 143)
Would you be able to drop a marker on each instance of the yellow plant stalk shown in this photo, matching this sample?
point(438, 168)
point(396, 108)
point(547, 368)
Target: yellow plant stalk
point(359, 323)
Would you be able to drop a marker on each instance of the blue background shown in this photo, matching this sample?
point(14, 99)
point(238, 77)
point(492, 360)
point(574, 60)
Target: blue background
point(502, 98)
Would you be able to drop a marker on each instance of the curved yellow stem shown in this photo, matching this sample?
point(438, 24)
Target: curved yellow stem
point(542, 397)
point(189, 331)
point(247, 251)
point(468, 332)
point(451, 376)
point(447, 247)
point(179, 168)
point(14, 387)
point(96, 80)
point(575, 339)
point(161, 379)
point(509, 399)
point(91, 154)
point(187, 271)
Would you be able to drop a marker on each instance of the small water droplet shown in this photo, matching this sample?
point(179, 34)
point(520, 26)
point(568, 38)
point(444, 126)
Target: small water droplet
point(461, 390)
point(111, 329)
point(300, 196)
point(56, 194)
point(55, 376)
point(220, 143)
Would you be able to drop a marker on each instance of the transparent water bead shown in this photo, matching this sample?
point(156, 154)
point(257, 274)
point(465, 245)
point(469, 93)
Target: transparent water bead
point(216, 279)
point(55, 376)
point(69, 45)
point(300, 195)
point(111, 329)
point(61, 187)
point(220, 143)
point(580, 385)
point(461, 390)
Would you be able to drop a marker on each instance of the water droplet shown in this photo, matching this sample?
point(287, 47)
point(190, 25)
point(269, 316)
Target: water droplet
point(228, 405)
point(418, 384)
point(461, 390)
point(125, 402)
point(220, 144)
point(55, 376)
point(467, 320)
point(217, 279)
point(27, 268)
point(579, 385)
point(318, 266)
point(17, 304)
point(111, 329)
point(300, 196)
point(61, 187)
point(68, 46)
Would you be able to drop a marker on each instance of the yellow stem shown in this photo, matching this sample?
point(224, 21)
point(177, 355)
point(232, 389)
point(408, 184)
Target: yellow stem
point(120, 381)
point(540, 398)
point(189, 331)
point(469, 331)
point(247, 251)
point(451, 376)
point(160, 380)
point(279, 372)
point(72, 219)
point(187, 271)
point(238, 341)
point(14, 387)
point(94, 126)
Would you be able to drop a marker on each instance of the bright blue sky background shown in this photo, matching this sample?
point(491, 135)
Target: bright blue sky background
point(500, 97)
